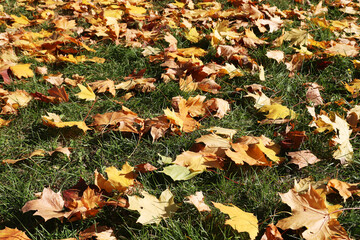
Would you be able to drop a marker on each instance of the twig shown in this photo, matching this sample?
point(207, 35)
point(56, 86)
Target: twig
point(90, 109)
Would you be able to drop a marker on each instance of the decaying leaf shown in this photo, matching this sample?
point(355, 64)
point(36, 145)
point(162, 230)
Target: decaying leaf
point(239, 220)
point(151, 209)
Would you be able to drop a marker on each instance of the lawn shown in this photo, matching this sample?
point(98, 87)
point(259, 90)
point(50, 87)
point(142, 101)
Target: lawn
point(221, 98)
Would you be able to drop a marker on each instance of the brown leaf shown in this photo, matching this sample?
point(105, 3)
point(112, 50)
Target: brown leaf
point(345, 189)
point(54, 79)
point(50, 205)
point(310, 210)
point(271, 233)
point(64, 150)
point(13, 234)
point(145, 167)
point(103, 86)
point(59, 93)
point(39, 152)
point(313, 93)
point(124, 120)
point(303, 158)
point(98, 232)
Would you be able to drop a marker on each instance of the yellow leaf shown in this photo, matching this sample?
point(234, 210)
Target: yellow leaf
point(22, 70)
point(80, 124)
point(86, 93)
point(277, 111)
point(239, 220)
point(193, 35)
point(121, 179)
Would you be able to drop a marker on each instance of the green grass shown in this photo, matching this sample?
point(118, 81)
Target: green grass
point(253, 189)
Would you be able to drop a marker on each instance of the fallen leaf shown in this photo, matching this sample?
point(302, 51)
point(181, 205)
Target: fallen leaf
point(122, 179)
point(50, 205)
point(86, 93)
point(103, 86)
point(145, 167)
point(277, 111)
point(64, 150)
point(98, 232)
point(310, 211)
point(198, 201)
point(271, 233)
point(59, 93)
point(151, 209)
point(179, 173)
point(13, 234)
point(39, 152)
point(277, 55)
point(303, 158)
point(4, 122)
point(239, 220)
point(54, 79)
point(345, 189)
point(22, 70)
point(50, 122)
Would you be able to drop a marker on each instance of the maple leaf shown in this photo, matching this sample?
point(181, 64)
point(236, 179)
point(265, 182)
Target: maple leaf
point(271, 233)
point(313, 93)
point(122, 179)
point(54, 79)
point(277, 111)
point(157, 126)
point(344, 152)
point(342, 49)
point(277, 55)
point(192, 35)
point(214, 144)
point(179, 173)
point(103, 86)
point(198, 201)
point(253, 150)
point(13, 234)
point(17, 99)
point(151, 209)
point(86, 93)
point(64, 150)
point(55, 122)
point(222, 131)
point(4, 122)
point(39, 152)
point(297, 37)
point(124, 120)
point(50, 205)
point(310, 211)
point(99, 232)
point(59, 93)
point(239, 220)
point(303, 158)
point(198, 161)
point(345, 189)
point(251, 40)
point(22, 70)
